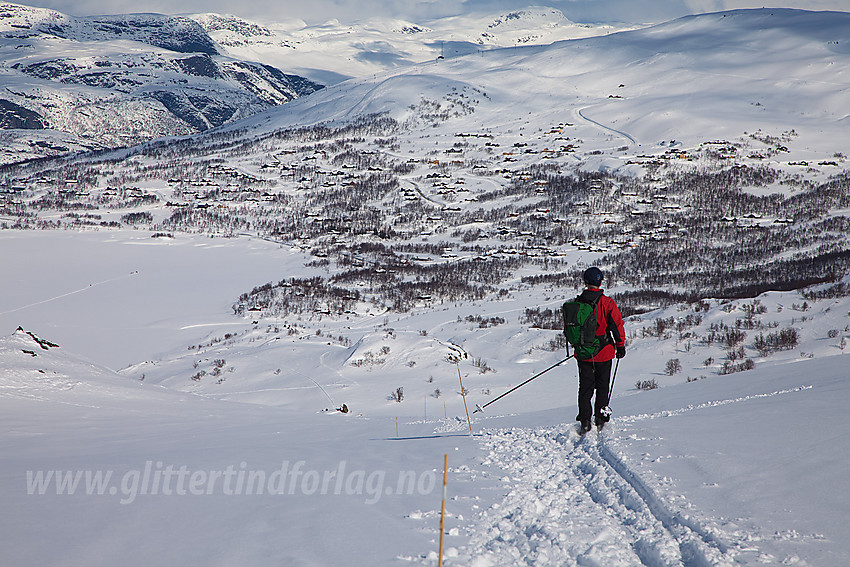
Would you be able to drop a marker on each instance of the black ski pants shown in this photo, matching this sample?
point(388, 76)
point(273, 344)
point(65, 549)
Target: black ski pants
point(592, 377)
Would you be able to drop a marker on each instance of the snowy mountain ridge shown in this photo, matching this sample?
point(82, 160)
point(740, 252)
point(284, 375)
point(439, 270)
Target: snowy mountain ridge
point(75, 84)
point(335, 51)
point(174, 33)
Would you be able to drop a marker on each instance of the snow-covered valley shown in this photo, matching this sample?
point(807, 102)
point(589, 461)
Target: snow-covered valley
point(744, 468)
point(193, 314)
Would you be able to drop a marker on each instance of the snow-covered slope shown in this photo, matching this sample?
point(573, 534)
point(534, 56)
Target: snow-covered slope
point(333, 51)
point(174, 33)
point(729, 471)
point(402, 259)
point(34, 367)
point(678, 84)
point(90, 83)
point(743, 469)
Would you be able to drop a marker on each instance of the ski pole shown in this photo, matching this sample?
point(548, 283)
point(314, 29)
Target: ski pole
point(613, 379)
point(606, 411)
point(480, 408)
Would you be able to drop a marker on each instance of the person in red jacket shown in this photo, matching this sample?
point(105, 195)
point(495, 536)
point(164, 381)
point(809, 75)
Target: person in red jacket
point(594, 373)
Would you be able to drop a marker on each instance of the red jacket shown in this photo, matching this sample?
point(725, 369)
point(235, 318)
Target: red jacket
point(608, 320)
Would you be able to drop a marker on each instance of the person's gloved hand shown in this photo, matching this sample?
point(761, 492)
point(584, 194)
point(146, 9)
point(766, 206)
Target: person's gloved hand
point(621, 351)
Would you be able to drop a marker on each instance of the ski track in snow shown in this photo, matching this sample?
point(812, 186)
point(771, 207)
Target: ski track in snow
point(693, 407)
point(580, 113)
point(68, 294)
point(573, 500)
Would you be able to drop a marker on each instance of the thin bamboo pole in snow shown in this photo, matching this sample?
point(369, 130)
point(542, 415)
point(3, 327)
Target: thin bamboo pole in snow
point(443, 510)
point(463, 394)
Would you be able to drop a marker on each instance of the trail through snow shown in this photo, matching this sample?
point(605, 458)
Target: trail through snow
point(580, 112)
point(585, 506)
point(67, 294)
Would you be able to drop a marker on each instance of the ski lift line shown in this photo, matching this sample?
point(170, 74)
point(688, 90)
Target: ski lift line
point(88, 287)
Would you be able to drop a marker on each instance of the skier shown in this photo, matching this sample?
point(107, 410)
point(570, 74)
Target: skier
point(594, 373)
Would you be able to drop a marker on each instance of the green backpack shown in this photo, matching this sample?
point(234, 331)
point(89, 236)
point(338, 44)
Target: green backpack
point(580, 327)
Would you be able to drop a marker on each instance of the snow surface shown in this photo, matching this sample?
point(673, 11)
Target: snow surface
point(740, 469)
point(721, 76)
point(123, 297)
point(331, 52)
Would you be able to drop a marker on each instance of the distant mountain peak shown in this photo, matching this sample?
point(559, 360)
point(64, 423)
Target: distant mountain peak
point(225, 22)
point(73, 83)
point(175, 33)
point(535, 15)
